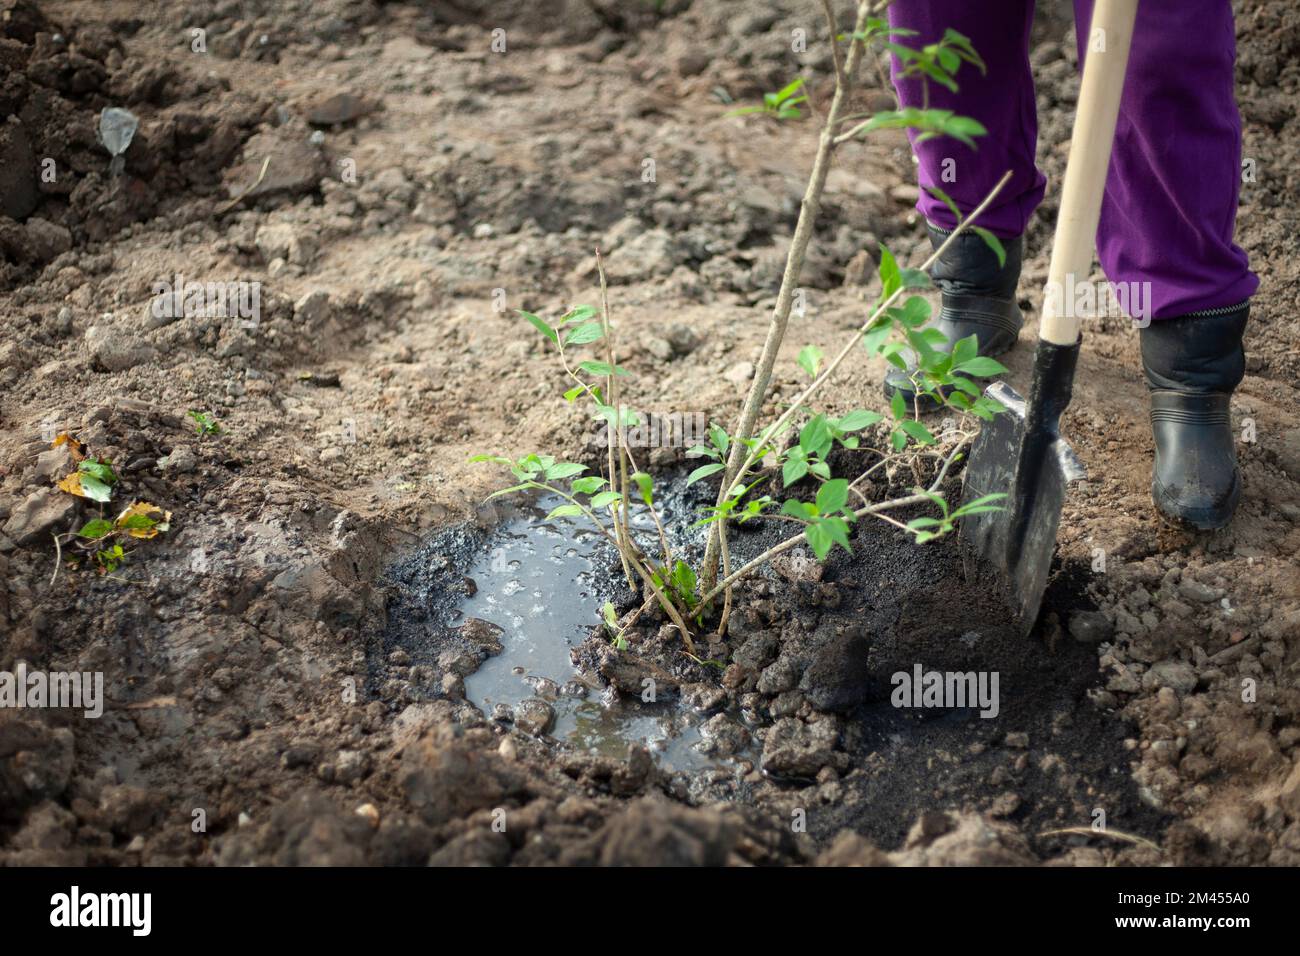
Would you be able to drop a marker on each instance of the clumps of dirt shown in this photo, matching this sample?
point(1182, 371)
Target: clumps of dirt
point(58, 189)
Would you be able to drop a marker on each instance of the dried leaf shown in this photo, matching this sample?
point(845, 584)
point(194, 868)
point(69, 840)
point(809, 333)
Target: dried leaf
point(75, 447)
point(143, 520)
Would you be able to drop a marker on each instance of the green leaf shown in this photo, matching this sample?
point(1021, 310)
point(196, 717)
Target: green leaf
point(788, 91)
point(993, 242)
point(587, 486)
point(719, 438)
point(891, 279)
point(875, 337)
point(100, 470)
point(684, 579)
point(838, 530)
point(963, 350)
point(858, 419)
point(815, 436)
point(833, 495)
point(703, 472)
point(600, 368)
point(605, 499)
point(810, 359)
point(819, 538)
point(137, 523)
point(563, 511)
point(573, 393)
point(577, 314)
point(96, 529)
point(915, 279)
point(898, 406)
point(917, 431)
point(645, 484)
point(947, 200)
point(793, 469)
point(981, 366)
point(584, 334)
point(898, 439)
point(562, 470)
point(541, 326)
point(914, 313)
point(95, 489)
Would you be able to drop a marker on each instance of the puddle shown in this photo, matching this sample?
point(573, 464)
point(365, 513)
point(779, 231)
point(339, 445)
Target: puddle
point(543, 583)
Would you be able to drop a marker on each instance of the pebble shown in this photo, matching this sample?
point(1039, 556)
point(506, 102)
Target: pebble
point(739, 373)
point(1090, 627)
point(535, 717)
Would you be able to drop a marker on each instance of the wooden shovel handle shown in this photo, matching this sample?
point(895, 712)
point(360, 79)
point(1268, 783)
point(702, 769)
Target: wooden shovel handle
point(1107, 45)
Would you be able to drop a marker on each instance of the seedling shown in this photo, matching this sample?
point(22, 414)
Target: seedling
point(783, 104)
point(895, 326)
point(204, 423)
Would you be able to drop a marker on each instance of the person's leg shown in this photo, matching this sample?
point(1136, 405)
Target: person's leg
point(1170, 205)
point(1003, 101)
point(1167, 219)
point(978, 294)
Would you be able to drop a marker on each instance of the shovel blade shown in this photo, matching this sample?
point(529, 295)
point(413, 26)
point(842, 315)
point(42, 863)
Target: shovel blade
point(1011, 549)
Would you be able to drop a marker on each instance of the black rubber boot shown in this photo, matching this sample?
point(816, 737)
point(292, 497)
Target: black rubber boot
point(1192, 364)
point(977, 295)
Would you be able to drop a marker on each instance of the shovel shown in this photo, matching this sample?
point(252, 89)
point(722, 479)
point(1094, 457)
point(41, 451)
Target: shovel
point(1021, 453)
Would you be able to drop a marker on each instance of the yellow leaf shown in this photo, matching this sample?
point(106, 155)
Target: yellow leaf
point(74, 446)
point(144, 509)
point(72, 485)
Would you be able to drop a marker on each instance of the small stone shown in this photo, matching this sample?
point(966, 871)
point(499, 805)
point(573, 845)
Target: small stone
point(338, 109)
point(798, 566)
point(44, 511)
point(368, 812)
point(115, 350)
point(1178, 676)
point(534, 717)
point(312, 307)
point(1018, 740)
point(796, 749)
point(482, 633)
point(1090, 627)
point(46, 240)
point(659, 348)
point(1194, 590)
point(739, 373)
point(906, 193)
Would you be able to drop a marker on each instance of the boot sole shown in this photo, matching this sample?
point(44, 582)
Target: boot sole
point(1210, 522)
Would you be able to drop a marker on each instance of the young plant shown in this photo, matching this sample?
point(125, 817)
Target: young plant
point(895, 325)
point(204, 423)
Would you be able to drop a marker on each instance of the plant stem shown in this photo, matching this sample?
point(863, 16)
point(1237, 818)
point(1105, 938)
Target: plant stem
point(808, 211)
point(616, 440)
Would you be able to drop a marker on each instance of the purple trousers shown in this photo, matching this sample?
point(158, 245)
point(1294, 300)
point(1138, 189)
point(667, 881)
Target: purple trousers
point(1170, 204)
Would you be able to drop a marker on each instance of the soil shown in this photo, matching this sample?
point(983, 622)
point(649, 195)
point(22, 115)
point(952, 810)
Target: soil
point(272, 698)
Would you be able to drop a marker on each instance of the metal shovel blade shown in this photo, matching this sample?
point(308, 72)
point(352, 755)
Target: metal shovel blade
point(1011, 548)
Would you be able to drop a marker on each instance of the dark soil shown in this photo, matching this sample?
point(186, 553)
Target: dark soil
point(418, 187)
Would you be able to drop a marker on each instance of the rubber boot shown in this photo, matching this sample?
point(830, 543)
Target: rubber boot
point(1192, 364)
point(977, 295)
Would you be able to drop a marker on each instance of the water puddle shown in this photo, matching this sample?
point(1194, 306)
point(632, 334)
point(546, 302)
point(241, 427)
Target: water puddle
point(543, 584)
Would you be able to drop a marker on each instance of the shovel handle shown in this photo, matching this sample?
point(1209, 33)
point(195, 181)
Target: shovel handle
point(1104, 66)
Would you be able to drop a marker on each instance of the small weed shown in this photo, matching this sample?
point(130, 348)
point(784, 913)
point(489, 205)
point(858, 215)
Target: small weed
point(204, 423)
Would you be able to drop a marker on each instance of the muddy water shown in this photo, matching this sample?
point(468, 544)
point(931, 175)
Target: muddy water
point(543, 583)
